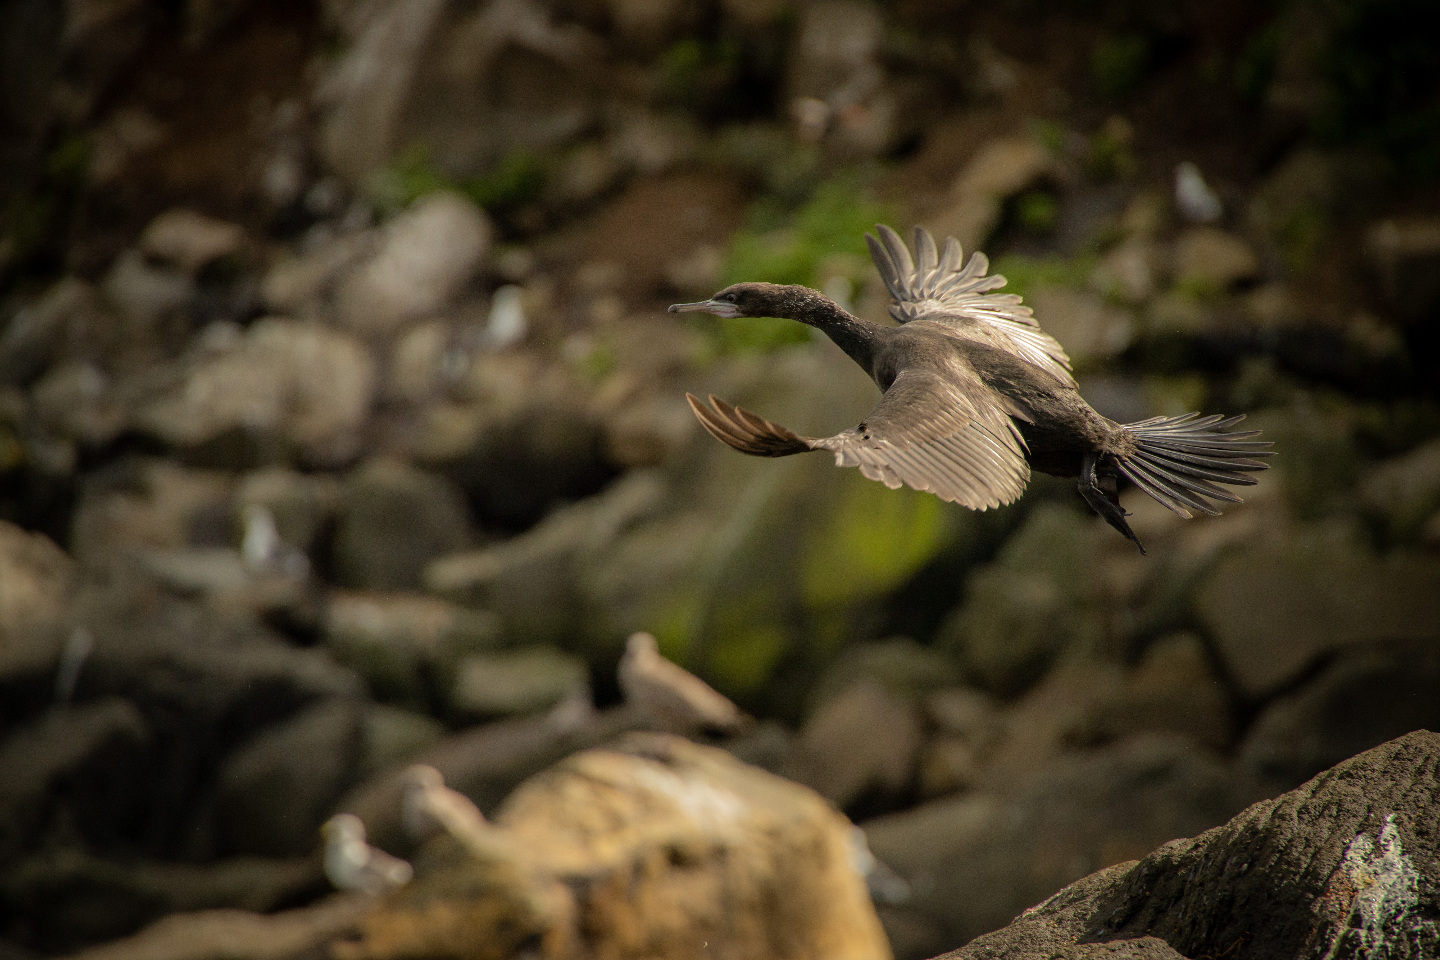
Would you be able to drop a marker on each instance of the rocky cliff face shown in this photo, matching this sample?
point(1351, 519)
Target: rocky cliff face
point(341, 427)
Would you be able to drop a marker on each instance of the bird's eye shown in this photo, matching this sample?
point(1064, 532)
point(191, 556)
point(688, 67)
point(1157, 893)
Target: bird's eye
point(728, 298)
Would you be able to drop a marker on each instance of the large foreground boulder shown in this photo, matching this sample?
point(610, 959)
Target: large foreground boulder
point(1342, 868)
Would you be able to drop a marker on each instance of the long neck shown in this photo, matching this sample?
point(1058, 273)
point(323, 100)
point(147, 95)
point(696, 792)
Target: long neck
point(855, 336)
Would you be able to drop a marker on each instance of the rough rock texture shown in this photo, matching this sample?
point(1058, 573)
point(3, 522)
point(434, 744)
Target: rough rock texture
point(1342, 867)
point(649, 849)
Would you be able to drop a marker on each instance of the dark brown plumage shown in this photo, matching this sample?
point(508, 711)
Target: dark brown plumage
point(976, 394)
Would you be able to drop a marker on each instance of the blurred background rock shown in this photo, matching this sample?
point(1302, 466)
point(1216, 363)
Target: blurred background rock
point(341, 425)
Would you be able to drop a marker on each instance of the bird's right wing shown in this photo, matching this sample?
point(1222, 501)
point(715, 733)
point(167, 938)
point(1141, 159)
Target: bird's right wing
point(941, 290)
point(929, 432)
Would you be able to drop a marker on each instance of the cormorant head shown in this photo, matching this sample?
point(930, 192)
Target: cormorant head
point(752, 300)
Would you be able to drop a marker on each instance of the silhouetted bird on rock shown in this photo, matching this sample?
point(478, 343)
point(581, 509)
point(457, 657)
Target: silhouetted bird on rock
point(976, 394)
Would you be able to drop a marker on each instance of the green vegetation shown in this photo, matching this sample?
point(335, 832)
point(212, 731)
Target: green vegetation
point(1023, 274)
point(1383, 82)
point(1119, 63)
point(1037, 211)
point(696, 74)
point(510, 184)
point(833, 221)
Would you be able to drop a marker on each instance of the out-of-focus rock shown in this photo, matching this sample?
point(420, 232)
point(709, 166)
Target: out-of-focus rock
point(239, 934)
point(1213, 259)
point(1063, 713)
point(999, 170)
point(1129, 271)
point(836, 66)
point(525, 442)
point(679, 844)
point(398, 642)
point(505, 683)
point(1367, 696)
point(1173, 689)
point(302, 505)
point(36, 578)
point(1273, 607)
point(300, 284)
point(191, 240)
point(425, 258)
point(1405, 491)
point(1333, 868)
point(70, 898)
point(77, 401)
point(70, 757)
point(297, 384)
point(1090, 329)
point(152, 503)
point(1027, 606)
point(858, 744)
point(1406, 253)
point(486, 763)
point(1194, 198)
point(394, 737)
point(393, 520)
point(907, 669)
point(365, 93)
point(38, 332)
point(146, 293)
point(976, 860)
point(541, 583)
point(273, 793)
point(646, 27)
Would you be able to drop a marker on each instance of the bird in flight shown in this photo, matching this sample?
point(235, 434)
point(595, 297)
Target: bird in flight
point(976, 395)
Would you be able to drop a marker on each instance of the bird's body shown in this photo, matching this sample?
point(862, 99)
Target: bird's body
point(669, 696)
point(975, 395)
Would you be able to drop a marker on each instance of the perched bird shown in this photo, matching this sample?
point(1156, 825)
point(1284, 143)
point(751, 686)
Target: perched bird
point(429, 807)
point(668, 695)
point(976, 395)
point(351, 864)
point(1193, 196)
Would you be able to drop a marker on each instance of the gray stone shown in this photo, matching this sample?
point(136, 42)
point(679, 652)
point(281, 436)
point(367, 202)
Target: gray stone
point(902, 666)
point(1276, 605)
point(977, 860)
point(273, 793)
point(365, 92)
point(37, 333)
point(1213, 259)
point(505, 683)
point(1000, 169)
point(426, 257)
point(153, 504)
point(1091, 330)
point(191, 240)
point(301, 284)
point(302, 505)
point(1405, 491)
point(1028, 605)
point(299, 384)
point(77, 400)
point(1334, 868)
point(1130, 272)
point(71, 756)
point(859, 743)
point(36, 578)
point(394, 737)
point(146, 293)
point(1367, 696)
point(399, 643)
point(394, 519)
point(1406, 254)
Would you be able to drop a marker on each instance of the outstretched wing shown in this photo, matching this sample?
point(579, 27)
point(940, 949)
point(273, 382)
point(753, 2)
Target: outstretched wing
point(940, 289)
point(927, 432)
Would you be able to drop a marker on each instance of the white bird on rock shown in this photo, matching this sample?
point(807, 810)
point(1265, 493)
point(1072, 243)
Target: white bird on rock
point(429, 807)
point(351, 864)
point(668, 695)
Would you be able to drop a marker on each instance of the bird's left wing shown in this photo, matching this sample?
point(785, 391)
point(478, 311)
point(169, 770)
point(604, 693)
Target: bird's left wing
point(931, 431)
point(940, 289)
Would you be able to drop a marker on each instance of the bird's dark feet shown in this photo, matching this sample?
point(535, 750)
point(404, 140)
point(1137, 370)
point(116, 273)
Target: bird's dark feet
point(1109, 509)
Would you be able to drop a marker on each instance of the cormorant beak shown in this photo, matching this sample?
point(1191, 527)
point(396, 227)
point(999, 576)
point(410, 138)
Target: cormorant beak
point(720, 308)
